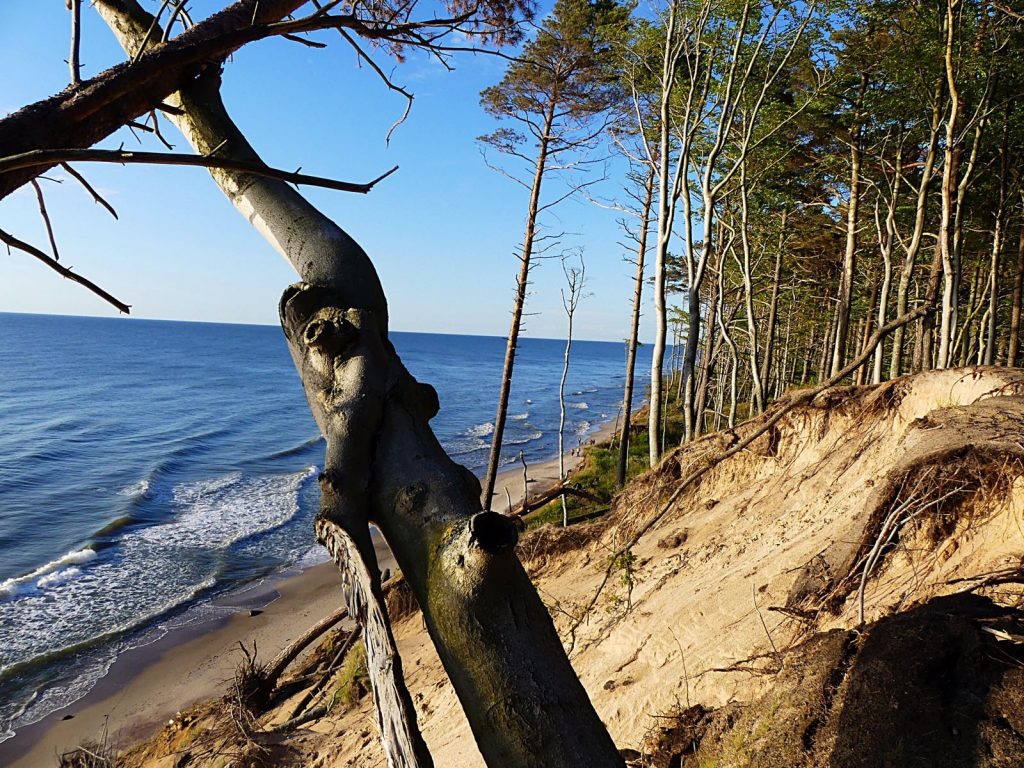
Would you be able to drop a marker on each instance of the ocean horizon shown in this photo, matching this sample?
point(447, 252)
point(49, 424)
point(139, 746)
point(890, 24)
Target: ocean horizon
point(149, 467)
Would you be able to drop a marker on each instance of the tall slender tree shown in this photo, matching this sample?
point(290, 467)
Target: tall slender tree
point(558, 94)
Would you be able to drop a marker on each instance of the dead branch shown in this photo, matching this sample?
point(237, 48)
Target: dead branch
point(385, 79)
point(303, 41)
point(179, 10)
point(553, 493)
point(280, 662)
point(48, 157)
point(46, 219)
point(74, 63)
point(96, 196)
point(149, 32)
point(82, 115)
point(318, 686)
point(156, 131)
point(313, 714)
point(13, 242)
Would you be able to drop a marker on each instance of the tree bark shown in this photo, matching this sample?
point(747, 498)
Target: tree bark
point(861, 373)
point(826, 348)
point(708, 358)
point(912, 249)
point(924, 353)
point(997, 244)
point(757, 393)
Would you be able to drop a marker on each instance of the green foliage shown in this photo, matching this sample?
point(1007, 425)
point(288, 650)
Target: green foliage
point(596, 473)
point(564, 78)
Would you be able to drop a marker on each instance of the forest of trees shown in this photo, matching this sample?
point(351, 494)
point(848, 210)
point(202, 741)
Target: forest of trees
point(803, 174)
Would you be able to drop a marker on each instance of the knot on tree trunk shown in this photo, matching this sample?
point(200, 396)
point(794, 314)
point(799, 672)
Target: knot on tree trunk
point(492, 531)
point(330, 336)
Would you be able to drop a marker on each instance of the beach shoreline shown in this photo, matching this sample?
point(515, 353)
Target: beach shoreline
point(147, 685)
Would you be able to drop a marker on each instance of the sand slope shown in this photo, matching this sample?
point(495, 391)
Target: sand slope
point(727, 640)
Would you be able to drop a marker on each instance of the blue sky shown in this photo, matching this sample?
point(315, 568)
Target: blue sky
point(441, 231)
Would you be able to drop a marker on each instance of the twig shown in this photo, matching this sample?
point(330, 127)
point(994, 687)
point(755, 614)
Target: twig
point(315, 689)
point(304, 41)
point(753, 596)
point(179, 10)
point(156, 131)
point(46, 219)
point(89, 188)
point(74, 63)
point(386, 80)
point(48, 157)
point(13, 242)
point(682, 658)
point(149, 32)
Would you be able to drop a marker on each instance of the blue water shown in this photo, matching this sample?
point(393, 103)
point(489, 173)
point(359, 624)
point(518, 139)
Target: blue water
point(147, 467)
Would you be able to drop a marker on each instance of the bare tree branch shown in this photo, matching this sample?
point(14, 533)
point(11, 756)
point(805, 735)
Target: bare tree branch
point(89, 188)
point(49, 157)
point(13, 242)
point(156, 24)
point(179, 10)
point(304, 41)
point(74, 63)
point(386, 80)
point(46, 219)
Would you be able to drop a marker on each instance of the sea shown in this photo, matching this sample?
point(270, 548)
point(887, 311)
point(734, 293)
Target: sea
point(151, 469)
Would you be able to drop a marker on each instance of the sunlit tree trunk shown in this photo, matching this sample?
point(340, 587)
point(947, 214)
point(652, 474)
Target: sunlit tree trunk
point(845, 297)
point(634, 331)
point(773, 307)
point(522, 282)
point(912, 249)
point(997, 245)
point(1013, 350)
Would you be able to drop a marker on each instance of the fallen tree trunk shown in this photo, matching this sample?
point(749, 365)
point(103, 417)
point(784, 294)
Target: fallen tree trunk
point(280, 662)
point(563, 489)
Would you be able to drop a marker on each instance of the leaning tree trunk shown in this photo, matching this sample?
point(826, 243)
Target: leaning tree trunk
point(634, 333)
point(524, 702)
point(522, 281)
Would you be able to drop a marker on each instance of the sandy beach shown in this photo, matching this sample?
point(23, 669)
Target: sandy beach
point(146, 686)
